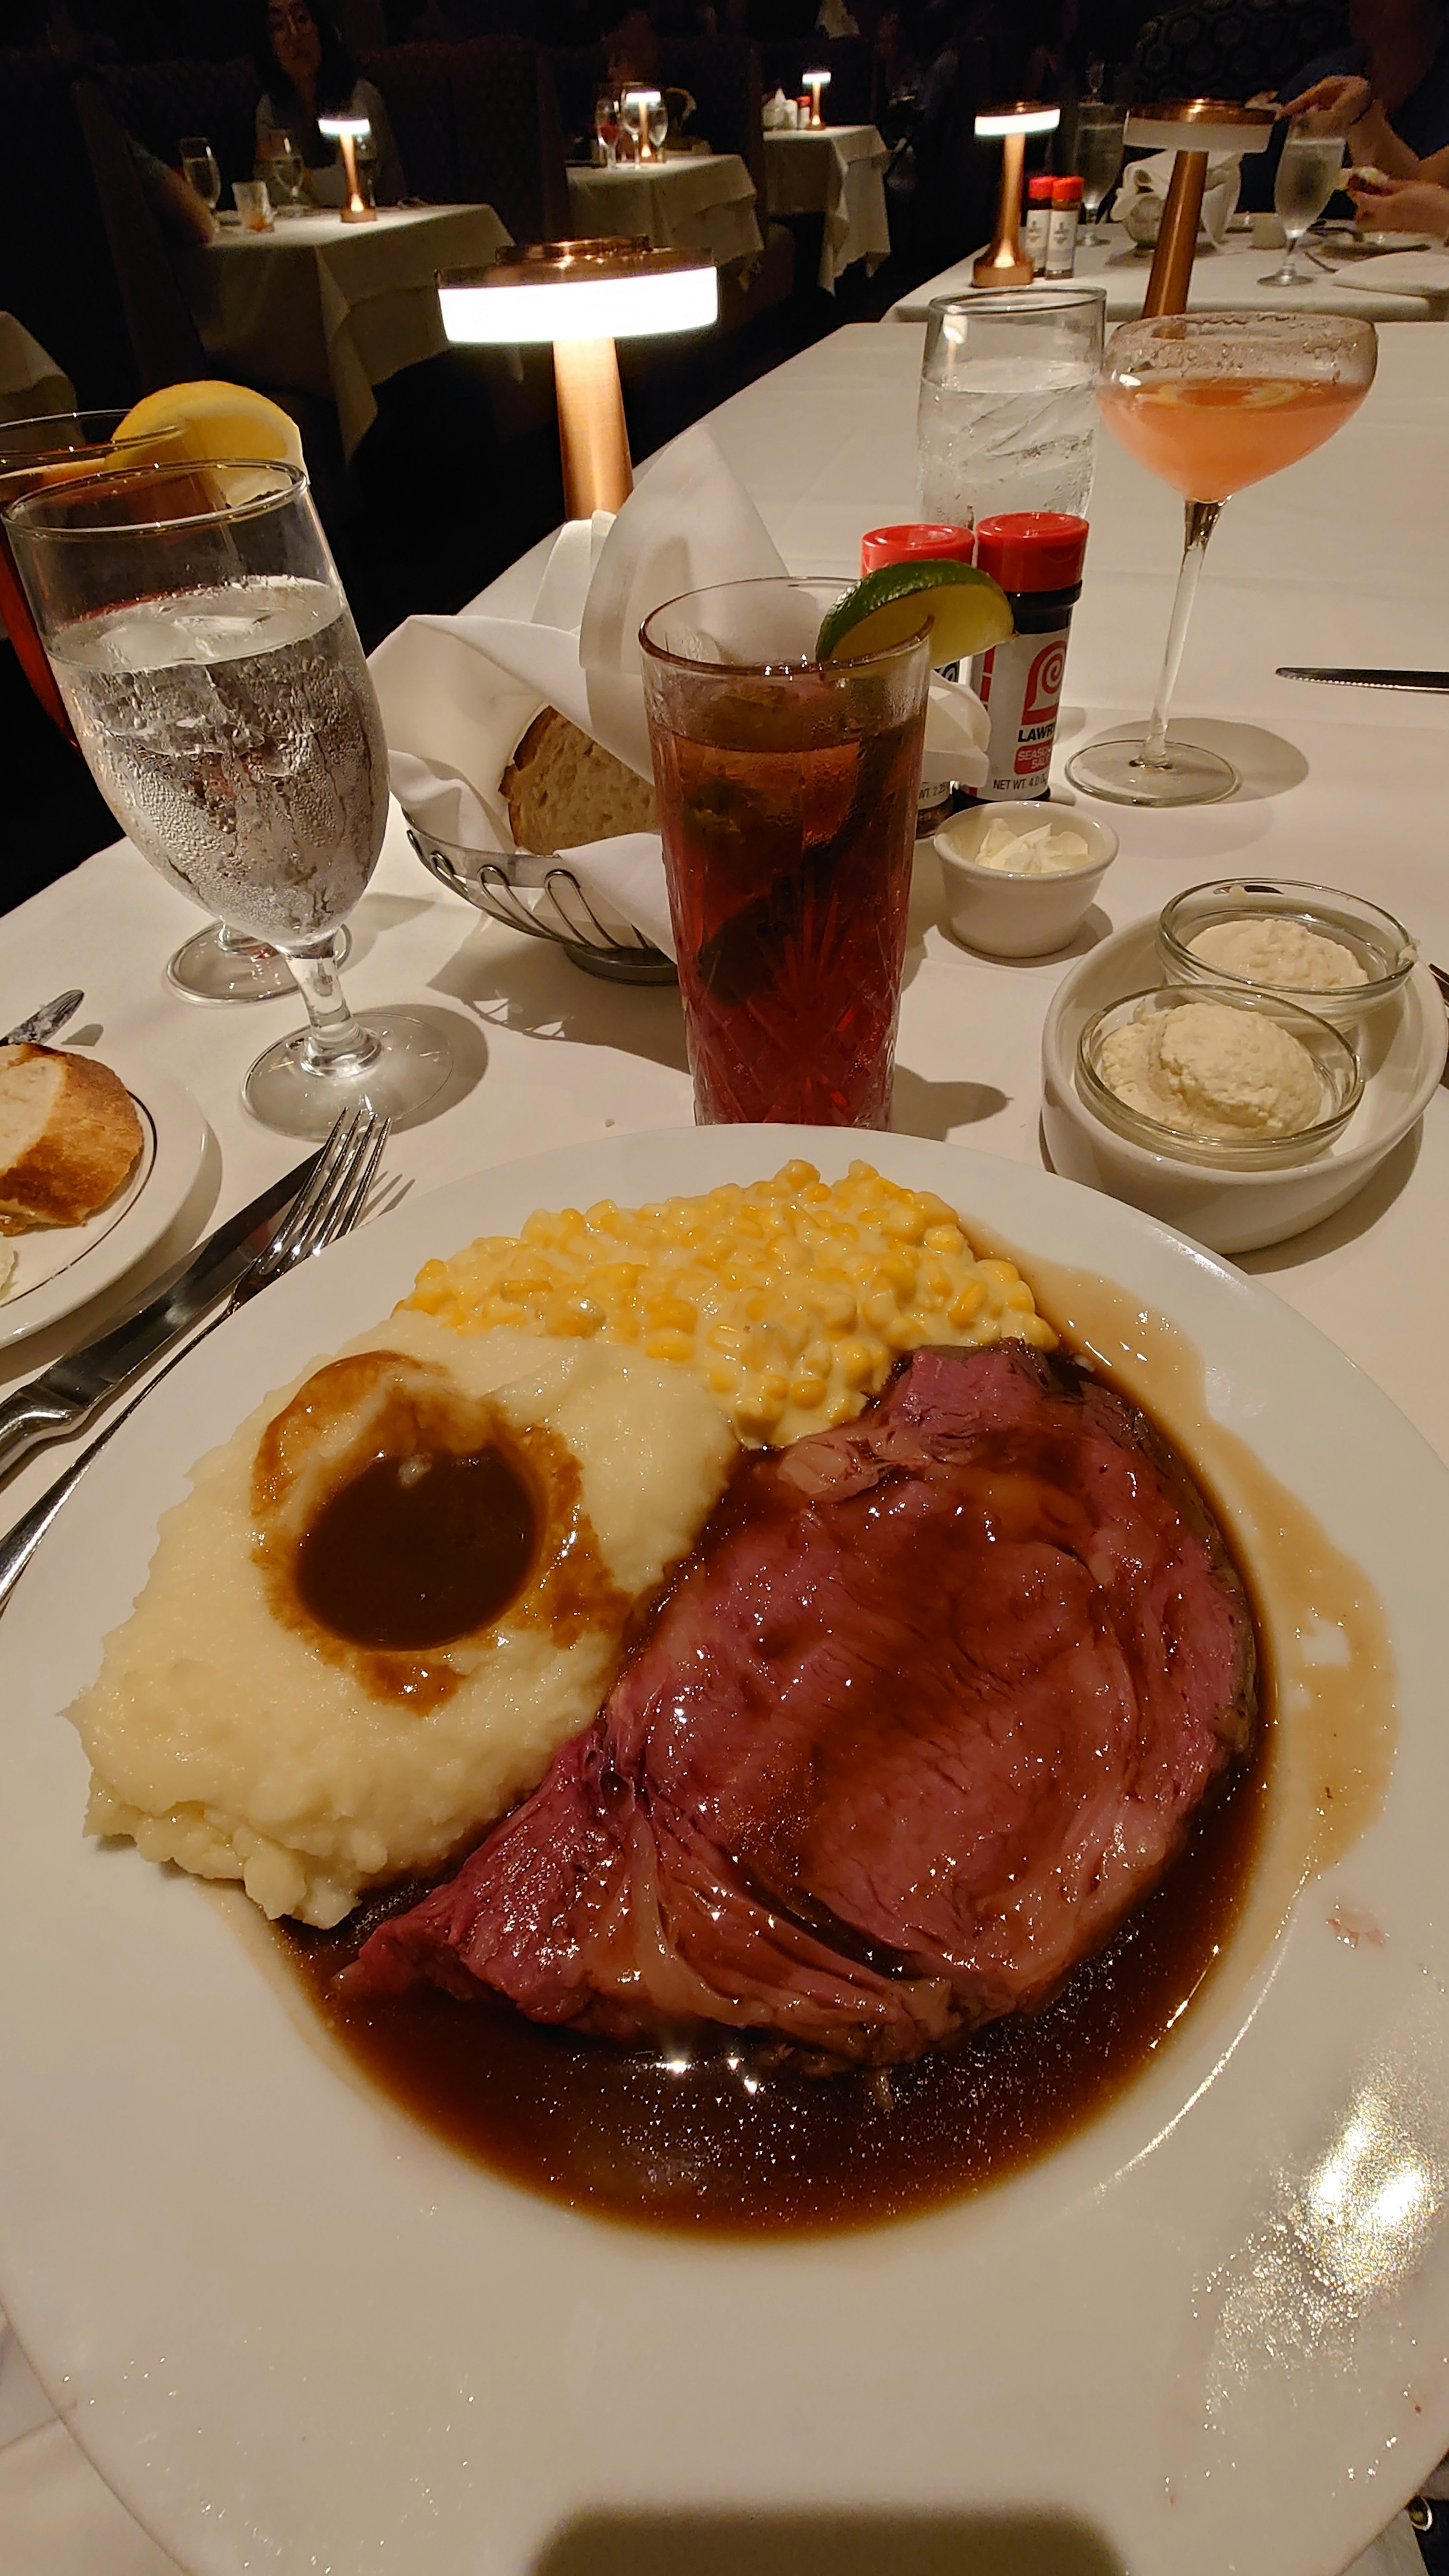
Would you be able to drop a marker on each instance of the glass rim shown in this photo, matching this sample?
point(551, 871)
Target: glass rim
point(116, 412)
point(31, 515)
point(777, 670)
point(1020, 299)
point(1243, 321)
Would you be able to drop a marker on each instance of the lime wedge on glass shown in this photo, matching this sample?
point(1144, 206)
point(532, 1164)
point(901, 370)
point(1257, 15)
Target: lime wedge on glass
point(966, 611)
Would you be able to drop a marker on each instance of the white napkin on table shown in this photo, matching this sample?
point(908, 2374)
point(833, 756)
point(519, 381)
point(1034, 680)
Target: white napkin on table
point(457, 693)
point(1151, 178)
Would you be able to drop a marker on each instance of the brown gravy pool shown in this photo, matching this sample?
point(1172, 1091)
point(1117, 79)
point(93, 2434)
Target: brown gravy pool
point(727, 2146)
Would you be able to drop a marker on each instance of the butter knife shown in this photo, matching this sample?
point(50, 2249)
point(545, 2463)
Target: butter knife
point(64, 1397)
point(1435, 683)
point(46, 1024)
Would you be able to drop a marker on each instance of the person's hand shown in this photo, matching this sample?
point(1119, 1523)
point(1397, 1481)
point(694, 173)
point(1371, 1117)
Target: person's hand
point(1400, 205)
point(1335, 105)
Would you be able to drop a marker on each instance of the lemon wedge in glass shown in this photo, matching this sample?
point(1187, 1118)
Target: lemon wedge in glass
point(966, 611)
point(217, 420)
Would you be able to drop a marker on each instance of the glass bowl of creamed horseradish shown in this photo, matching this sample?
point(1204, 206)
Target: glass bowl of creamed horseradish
point(1331, 953)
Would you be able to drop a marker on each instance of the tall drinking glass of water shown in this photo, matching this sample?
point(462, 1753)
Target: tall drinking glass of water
point(1310, 167)
point(210, 667)
point(1008, 413)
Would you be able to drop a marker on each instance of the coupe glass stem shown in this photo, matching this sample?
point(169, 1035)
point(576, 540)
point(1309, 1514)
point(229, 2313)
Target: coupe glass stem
point(1201, 517)
point(336, 1042)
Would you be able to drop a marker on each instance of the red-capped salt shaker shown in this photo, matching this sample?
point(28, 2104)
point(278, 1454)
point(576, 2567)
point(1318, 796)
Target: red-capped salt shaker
point(1037, 556)
point(922, 541)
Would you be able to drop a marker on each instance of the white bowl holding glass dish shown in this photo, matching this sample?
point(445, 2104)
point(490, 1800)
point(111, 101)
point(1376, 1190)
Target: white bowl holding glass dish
point(1029, 907)
point(1231, 1207)
point(1259, 934)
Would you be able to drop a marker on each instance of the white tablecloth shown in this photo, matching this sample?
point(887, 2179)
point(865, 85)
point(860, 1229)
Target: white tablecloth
point(318, 306)
point(1341, 556)
point(701, 202)
point(1232, 276)
point(837, 171)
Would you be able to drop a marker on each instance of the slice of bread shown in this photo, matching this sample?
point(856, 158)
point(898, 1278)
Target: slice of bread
point(561, 787)
point(69, 1135)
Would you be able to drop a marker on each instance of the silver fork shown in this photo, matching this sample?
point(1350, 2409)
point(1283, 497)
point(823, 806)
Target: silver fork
point(326, 1209)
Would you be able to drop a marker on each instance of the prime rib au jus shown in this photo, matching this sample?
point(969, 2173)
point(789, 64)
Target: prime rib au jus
point(927, 1710)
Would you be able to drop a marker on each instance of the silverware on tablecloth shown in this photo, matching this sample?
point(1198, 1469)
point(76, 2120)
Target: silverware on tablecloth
point(45, 1024)
point(328, 1207)
point(1436, 683)
point(62, 1399)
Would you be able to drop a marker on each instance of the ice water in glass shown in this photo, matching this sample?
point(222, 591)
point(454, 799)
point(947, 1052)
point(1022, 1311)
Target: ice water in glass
point(1007, 417)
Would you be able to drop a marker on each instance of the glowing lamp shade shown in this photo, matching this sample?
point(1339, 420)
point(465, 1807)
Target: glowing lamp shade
point(815, 82)
point(582, 296)
point(1002, 263)
point(1018, 120)
point(349, 131)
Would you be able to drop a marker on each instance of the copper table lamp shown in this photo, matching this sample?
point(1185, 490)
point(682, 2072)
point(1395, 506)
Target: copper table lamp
point(815, 82)
point(349, 131)
point(1192, 128)
point(1003, 264)
point(582, 296)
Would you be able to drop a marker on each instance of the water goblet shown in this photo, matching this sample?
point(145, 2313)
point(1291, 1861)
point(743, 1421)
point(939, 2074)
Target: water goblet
point(1310, 167)
point(1098, 157)
point(199, 169)
point(203, 646)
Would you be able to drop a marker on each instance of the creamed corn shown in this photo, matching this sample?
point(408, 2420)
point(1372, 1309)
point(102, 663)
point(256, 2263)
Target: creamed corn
point(791, 1299)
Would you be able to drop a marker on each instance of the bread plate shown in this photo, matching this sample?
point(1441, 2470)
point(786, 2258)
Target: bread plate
point(58, 1268)
point(1209, 2330)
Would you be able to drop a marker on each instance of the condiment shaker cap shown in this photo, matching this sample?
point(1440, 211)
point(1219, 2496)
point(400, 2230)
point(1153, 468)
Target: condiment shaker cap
point(1067, 192)
point(1032, 549)
point(1039, 191)
point(915, 541)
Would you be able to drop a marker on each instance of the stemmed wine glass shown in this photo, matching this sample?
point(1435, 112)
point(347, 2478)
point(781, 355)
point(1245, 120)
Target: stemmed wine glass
point(606, 123)
point(199, 170)
point(1098, 156)
point(218, 965)
point(1212, 402)
point(209, 664)
point(1309, 169)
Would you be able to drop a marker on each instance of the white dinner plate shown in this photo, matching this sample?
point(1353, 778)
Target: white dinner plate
point(61, 1267)
point(1208, 2334)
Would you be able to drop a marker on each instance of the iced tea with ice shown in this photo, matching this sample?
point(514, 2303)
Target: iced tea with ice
point(787, 805)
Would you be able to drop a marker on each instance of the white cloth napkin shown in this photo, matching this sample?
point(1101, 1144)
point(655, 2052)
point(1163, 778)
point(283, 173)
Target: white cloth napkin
point(1150, 178)
point(778, 114)
point(457, 693)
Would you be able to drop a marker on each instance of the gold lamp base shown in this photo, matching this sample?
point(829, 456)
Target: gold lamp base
point(1192, 127)
point(592, 435)
point(1002, 264)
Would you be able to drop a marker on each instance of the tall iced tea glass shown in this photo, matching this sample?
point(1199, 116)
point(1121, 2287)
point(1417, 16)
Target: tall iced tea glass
point(210, 667)
point(787, 804)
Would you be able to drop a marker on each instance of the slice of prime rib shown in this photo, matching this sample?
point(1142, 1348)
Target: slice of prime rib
point(928, 1709)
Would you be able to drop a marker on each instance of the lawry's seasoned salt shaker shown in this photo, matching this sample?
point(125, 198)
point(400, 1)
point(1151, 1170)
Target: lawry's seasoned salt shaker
point(1038, 222)
point(922, 541)
point(1036, 555)
point(1066, 215)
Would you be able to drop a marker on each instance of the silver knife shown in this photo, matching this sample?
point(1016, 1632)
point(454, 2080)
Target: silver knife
point(44, 1025)
point(63, 1397)
point(1435, 683)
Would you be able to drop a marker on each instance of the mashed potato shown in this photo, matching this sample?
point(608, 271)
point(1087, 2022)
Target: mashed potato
point(791, 1300)
point(233, 1731)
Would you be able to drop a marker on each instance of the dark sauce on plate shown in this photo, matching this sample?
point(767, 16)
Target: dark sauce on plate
point(734, 2145)
point(735, 2142)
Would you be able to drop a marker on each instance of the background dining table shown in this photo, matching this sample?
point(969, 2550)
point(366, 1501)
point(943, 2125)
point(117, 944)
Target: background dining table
point(319, 306)
point(1339, 559)
point(837, 172)
point(1231, 276)
point(700, 202)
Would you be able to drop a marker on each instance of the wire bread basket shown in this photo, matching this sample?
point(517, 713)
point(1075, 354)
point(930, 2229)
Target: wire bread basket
point(491, 880)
